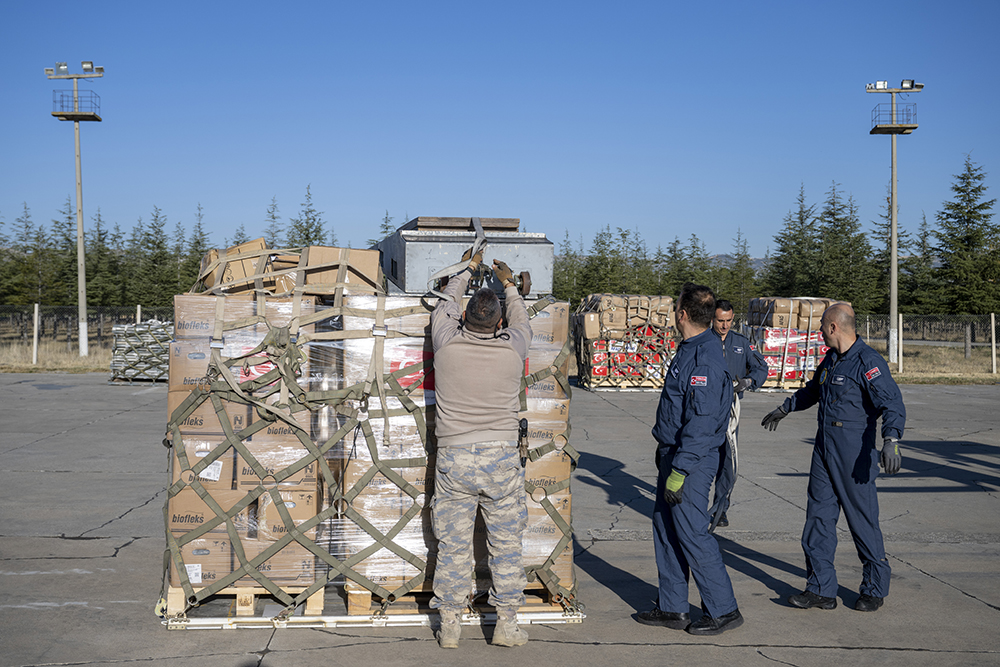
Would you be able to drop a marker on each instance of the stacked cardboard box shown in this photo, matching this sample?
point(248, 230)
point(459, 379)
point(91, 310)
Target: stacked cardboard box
point(301, 404)
point(786, 332)
point(623, 341)
point(253, 465)
point(386, 463)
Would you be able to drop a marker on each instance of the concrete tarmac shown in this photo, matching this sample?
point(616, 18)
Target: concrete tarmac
point(81, 544)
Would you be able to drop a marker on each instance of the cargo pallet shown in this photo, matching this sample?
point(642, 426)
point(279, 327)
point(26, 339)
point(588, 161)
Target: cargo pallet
point(408, 611)
point(361, 602)
point(646, 388)
point(245, 599)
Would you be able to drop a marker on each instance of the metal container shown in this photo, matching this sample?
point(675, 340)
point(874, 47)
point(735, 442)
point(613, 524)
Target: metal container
point(418, 250)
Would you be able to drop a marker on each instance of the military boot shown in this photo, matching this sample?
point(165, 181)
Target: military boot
point(451, 628)
point(507, 633)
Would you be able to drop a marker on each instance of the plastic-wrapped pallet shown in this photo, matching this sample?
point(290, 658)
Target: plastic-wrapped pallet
point(786, 332)
point(623, 341)
point(140, 351)
point(301, 422)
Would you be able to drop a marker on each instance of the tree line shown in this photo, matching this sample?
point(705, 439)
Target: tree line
point(147, 266)
point(821, 250)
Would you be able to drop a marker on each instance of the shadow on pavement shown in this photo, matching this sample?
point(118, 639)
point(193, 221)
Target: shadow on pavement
point(633, 591)
point(743, 559)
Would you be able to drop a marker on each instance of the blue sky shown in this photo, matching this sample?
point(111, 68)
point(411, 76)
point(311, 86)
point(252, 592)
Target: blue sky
point(671, 118)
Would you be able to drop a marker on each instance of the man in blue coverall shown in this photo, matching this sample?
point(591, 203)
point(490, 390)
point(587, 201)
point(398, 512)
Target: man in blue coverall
point(691, 422)
point(749, 372)
point(853, 388)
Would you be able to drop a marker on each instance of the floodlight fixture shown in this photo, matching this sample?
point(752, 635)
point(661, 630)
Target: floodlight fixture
point(87, 65)
point(99, 70)
point(62, 69)
point(49, 71)
point(881, 85)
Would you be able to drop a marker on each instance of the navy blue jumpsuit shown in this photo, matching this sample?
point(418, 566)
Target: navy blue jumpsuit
point(853, 390)
point(691, 421)
point(743, 362)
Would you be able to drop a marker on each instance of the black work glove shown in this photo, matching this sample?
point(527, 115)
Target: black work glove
point(473, 260)
point(673, 490)
point(503, 272)
point(743, 384)
point(892, 460)
point(771, 419)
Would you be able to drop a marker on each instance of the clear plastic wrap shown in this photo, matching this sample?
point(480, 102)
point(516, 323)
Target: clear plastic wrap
point(285, 451)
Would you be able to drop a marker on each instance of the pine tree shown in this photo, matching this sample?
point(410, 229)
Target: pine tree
point(132, 265)
point(699, 266)
point(969, 246)
point(30, 268)
point(739, 284)
point(63, 289)
point(566, 276)
point(198, 244)
point(920, 290)
point(177, 257)
point(5, 254)
point(639, 275)
point(385, 229)
point(846, 271)
point(273, 229)
point(676, 269)
point(307, 229)
point(601, 271)
point(881, 242)
point(793, 269)
point(239, 236)
point(157, 278)
point(103, 283)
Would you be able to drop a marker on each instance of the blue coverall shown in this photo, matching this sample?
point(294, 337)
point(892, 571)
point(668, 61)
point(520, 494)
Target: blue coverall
point(853, 390)
point(691, 422)
point(743, 362)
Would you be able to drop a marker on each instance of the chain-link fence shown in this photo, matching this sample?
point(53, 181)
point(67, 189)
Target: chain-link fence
point(61, 323)
point(938, 345)
point(952, 345)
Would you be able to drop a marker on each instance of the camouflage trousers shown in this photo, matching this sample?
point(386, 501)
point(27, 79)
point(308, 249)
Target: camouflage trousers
point(483, 476)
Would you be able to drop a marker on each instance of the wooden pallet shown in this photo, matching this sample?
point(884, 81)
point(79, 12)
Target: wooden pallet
point(245, 599)
point(361, 602)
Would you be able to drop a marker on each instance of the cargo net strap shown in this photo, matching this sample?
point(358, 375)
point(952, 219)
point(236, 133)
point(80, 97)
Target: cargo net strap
point(283, 273)
point(265, 381)
point(623, 340)
point(141, 351)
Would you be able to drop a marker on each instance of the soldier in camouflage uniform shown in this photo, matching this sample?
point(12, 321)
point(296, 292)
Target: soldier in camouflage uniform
point(478, 366)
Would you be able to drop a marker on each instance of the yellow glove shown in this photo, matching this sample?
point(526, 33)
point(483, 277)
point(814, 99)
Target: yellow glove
point(503, 273)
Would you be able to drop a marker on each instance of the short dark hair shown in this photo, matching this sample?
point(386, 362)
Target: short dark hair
point(483, 311)
point(698, 302)
point(723, 305)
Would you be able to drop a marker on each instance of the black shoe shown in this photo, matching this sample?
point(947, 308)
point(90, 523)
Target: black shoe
point(665, 619)
point(809, 600)
point(724, 521)
point(868, 603)
point(709, 625)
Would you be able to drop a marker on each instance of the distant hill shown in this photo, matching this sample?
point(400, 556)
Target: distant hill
point(727, 260)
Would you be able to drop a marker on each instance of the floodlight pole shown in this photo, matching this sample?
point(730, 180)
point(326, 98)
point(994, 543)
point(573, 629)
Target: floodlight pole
point(81, 262)
point(894, 128)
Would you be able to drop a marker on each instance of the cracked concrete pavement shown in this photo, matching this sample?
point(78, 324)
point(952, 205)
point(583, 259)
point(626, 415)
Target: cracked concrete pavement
point(81, 544)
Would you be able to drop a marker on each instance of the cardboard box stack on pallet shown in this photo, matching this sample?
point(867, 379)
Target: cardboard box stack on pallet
point(301, 410)
point(623, 341)
point(786, 332)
